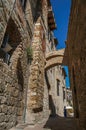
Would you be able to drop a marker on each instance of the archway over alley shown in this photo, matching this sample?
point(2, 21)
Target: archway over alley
point(59, 57)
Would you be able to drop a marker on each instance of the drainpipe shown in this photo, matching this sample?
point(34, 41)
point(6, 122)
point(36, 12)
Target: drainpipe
point(26, 94)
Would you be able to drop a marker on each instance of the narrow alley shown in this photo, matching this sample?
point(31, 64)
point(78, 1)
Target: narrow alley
point(42, 64)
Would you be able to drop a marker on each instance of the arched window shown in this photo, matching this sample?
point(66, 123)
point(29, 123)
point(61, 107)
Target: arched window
point(23, 2)
point(11, 40)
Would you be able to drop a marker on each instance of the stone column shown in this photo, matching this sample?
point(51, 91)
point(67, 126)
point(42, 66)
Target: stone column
point(36, 79)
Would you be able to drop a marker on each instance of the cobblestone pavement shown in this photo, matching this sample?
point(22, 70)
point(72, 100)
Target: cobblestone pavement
point(57, 123)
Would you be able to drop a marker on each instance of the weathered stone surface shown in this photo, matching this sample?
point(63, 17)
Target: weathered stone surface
point(36, 71)
point(76, 44)
point(13, 77)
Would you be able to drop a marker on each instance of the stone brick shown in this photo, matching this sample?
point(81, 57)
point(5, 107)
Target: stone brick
point(2, 117)
point(4, 109)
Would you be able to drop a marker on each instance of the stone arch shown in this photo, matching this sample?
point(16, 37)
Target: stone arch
point(55, 54)
point(11, 50)
point(5, 13)
point(11, 40)
point(56, 58)
point(53, 62)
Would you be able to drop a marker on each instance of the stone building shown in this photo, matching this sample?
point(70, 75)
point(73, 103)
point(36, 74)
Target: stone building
point(25, 34)
point(76, 48)
point(37, 99)
point(61, 96)
point(57, 91)
point(55, 80)
point(42, 96)
point(26, 85)
point(14, 39)
point(18, 20)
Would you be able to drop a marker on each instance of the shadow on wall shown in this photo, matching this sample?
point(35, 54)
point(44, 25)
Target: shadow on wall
point(55, 122)
point(20, 75)
point(36, 9)
point(47, 81)
point(52, 107)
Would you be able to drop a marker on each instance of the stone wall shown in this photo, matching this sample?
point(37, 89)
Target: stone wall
point(14, 76)
point(76, 43)
point(38, 102)
point(56, 96)
point(12, 86)
point(36, 79)
point(4, 10)
point(19, 100)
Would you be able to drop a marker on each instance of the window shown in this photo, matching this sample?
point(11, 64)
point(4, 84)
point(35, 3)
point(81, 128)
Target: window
point(7, 58)
point(51, 45)
point(63, 94)
point(58, 85)
point(5, 41)
point(23, 2)
point(4, 49)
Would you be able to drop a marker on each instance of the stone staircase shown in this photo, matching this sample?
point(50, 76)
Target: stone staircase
point(57, 123)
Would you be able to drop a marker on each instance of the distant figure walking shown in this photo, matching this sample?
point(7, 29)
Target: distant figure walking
point(65, 112)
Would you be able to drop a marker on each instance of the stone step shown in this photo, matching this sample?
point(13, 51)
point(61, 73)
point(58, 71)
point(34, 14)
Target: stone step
point(36, 127)
point(46, 129)
point(50, 124)
point(14, 128)
point(19, 127)
point(22, 126)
